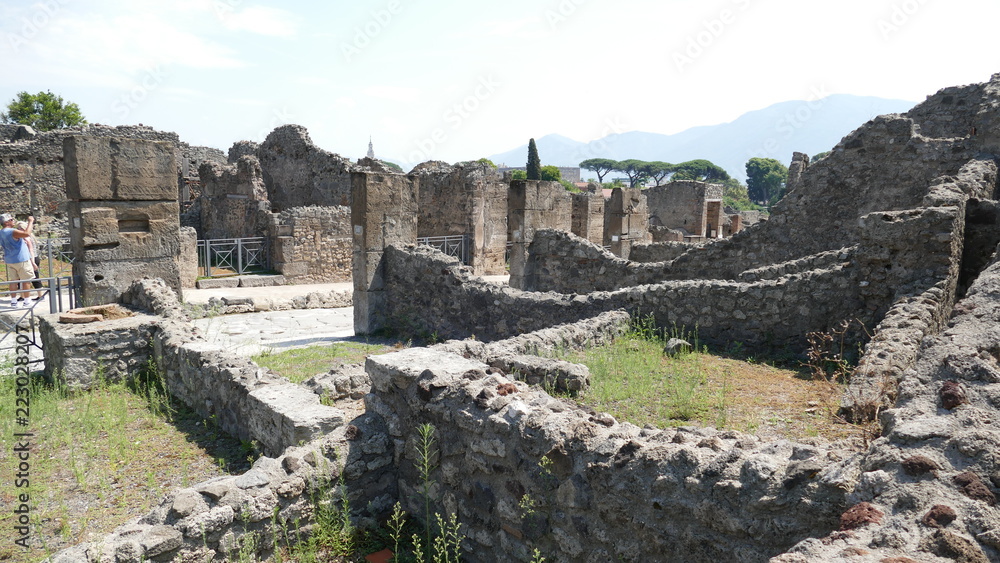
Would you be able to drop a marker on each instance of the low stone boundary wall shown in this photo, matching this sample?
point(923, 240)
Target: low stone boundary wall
point(565, 263)
point(658, 251)
point(429, 294)
point(519, 356)
point(224, 519)
point(247, 401)
point(821, 261)
point(523, 470)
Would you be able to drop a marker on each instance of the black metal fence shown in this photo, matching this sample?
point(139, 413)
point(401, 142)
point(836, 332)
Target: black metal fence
point(232, 256)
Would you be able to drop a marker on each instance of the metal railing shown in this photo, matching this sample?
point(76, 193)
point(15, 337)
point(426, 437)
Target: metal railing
point(57, 256)
point(452, 245)
point(59, 293)
point(232, 256)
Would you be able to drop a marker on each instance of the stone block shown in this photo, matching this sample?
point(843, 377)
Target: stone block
point(108, 168)
point(104, 282)
point(261, 281)
point(87, 164)
point(187, 262)
point(287, 415)
point(217, 283)
point(293, 269)
point(125, 230)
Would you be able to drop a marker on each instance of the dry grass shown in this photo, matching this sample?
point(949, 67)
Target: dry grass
point(634, 381)
point(101, 458)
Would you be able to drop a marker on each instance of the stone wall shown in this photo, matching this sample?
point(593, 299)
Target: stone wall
point(112, 350)
point(534, 205)
point(683, 205)
point(428, 294)
point(626, 220)
point(297, 173)
point(600, 490)
point(234, 200)
point(240, 516)
point(588, 217)
point(312, 244)
point(469, 199)
point(384, 210)
point(32, 179)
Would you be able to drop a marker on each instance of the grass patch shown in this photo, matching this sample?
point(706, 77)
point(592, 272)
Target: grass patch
point(101, 457)
point(634, 381)
point(299, 364)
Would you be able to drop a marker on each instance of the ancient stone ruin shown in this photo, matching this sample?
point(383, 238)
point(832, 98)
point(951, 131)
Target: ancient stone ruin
point(896, 230)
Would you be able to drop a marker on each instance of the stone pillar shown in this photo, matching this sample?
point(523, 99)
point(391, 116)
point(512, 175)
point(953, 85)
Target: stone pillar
point(626, 220)
point(714, 219)
point(124, 217)
point(800, 161)
point(588, 217)
point(533, 205)
point(383, 212)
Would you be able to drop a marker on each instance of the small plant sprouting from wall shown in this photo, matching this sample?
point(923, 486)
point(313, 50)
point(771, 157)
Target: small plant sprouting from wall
point(826, 356)
point(441, 537)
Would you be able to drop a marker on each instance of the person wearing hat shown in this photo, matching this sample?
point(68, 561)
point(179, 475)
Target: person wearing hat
point(35, 262)
point(17, 257)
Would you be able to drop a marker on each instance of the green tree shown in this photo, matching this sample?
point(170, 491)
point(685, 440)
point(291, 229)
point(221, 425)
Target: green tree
point(44, 111)
point(701, 170)
point(818, 156)
point(551, 173)
point(734, 195)
point(392, 166)
point(534, 167)
point(766, 179)
point(634, 170)
point(518, 175)
point(657, 170)
point(601, 166)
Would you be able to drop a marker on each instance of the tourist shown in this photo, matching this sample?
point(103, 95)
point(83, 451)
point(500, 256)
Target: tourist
point(35, 261)
point(17, 257)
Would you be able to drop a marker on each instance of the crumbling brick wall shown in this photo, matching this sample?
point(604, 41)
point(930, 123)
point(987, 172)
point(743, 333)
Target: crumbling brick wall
point(312, 244)
point(470, 200)
point(233, 200)
point(298, 173)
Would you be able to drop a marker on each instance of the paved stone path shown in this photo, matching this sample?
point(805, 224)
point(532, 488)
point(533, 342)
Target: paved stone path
point(250, 333)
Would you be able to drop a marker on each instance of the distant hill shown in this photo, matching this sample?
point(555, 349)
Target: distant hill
point(773, 132)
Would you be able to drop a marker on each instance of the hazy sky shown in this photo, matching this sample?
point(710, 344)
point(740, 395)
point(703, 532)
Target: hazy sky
point(453, 80)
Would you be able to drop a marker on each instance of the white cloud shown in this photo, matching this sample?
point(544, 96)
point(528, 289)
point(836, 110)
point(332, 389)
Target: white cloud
point(261, 20)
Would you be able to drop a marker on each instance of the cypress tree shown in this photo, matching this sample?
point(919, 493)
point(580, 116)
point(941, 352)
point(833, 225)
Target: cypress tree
point(534, 163)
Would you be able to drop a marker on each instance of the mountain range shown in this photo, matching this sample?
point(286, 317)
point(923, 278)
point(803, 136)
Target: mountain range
point(775, 132)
